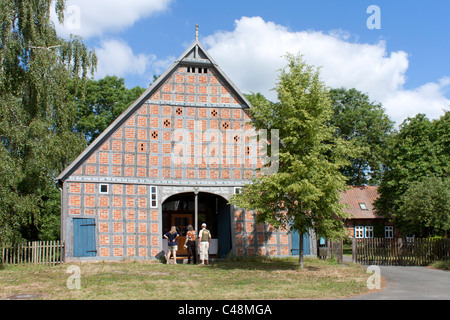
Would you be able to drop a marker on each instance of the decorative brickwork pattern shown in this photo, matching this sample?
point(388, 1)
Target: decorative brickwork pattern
point(126, 226)
point(172, 132)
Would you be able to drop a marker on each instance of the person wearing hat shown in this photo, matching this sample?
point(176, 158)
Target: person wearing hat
point(204, 238)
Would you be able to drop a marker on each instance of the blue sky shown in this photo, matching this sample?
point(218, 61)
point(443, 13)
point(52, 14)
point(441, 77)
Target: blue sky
point(404, 65)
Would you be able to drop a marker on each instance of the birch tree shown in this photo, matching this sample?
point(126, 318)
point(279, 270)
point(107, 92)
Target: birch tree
point(36, 115)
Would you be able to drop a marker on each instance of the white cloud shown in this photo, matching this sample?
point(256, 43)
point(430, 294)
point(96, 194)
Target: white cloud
point(89, 18)
point(252, 53)
point(115, 57)
point(428, 98)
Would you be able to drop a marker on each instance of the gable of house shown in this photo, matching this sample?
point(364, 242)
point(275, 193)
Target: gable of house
point(154, 138)
point(363, 221)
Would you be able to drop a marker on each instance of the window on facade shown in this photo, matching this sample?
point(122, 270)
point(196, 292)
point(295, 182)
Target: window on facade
point(359, 232)
point(389, 232)
point(237, 190)
point(369, 232)
point(153, 197)
point(363, 206)
point(103, 188)
point(364, 232)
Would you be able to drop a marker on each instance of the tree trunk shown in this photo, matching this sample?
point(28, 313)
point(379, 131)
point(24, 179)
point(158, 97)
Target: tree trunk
point(300, 251)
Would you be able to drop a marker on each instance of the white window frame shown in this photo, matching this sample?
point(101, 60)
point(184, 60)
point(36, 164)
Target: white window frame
point(359, 232)
point(389, 232)
point(100, 188)
point(368, 232)
point(153, 197)
point(363, 232)
point(363, 206)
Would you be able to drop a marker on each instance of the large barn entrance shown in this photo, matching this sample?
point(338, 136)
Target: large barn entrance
point(179, 211)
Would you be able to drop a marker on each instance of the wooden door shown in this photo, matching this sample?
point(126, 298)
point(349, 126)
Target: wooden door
point(84, 237)
point(296, 243)
point(181, 222)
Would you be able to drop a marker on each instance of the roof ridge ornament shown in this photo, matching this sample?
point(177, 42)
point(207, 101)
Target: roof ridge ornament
point(196, 41)
point(196, 33)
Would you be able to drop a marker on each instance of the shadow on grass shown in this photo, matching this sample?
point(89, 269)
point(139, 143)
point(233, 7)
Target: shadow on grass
point(257, 263)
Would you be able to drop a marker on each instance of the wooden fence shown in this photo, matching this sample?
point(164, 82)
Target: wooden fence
point(400, 251)
point(37, 252)
point(332, 249)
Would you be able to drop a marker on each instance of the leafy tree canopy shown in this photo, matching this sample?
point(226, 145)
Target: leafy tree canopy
point(305, 192)
point(425, 207)
point(104, 101)
point(366, 124)
point(36, 115)
point(420, 150)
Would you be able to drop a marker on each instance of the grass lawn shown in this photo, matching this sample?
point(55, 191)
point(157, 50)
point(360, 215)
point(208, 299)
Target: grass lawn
point(249, 278)
point(347, 249)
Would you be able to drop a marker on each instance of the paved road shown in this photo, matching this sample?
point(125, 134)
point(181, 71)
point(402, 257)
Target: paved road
point(411, 283)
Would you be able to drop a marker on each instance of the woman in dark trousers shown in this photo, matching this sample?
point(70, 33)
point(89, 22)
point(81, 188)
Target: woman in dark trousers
point(190, 244)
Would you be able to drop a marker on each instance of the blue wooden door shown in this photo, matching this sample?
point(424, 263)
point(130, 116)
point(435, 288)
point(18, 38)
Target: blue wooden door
point(296, 244)
point(84, 237)
point(306, 244)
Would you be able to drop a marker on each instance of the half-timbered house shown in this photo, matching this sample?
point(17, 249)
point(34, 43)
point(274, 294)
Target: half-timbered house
point(174, 157)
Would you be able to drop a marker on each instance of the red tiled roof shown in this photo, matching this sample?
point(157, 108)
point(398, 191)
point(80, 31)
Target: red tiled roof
point(356, 195)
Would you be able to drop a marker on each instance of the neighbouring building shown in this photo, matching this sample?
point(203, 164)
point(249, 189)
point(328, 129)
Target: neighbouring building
point(174, 157)
point(363, 222)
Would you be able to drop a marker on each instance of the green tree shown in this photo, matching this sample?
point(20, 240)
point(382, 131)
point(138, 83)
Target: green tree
point(305, 192)
point(36, 116)
point(366, 124)
point(425, 207)
point(104, 101)
point(419, 150)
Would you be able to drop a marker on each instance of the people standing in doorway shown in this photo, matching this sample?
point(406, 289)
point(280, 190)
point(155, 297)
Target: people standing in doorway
point(171, 237)
point(191, 236)
point(204, 238)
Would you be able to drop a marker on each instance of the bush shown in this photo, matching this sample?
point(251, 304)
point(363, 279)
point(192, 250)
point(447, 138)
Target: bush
point(442, 264)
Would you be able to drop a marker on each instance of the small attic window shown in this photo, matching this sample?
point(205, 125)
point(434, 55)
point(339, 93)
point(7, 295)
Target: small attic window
point(363, 206)
point(199, 70)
